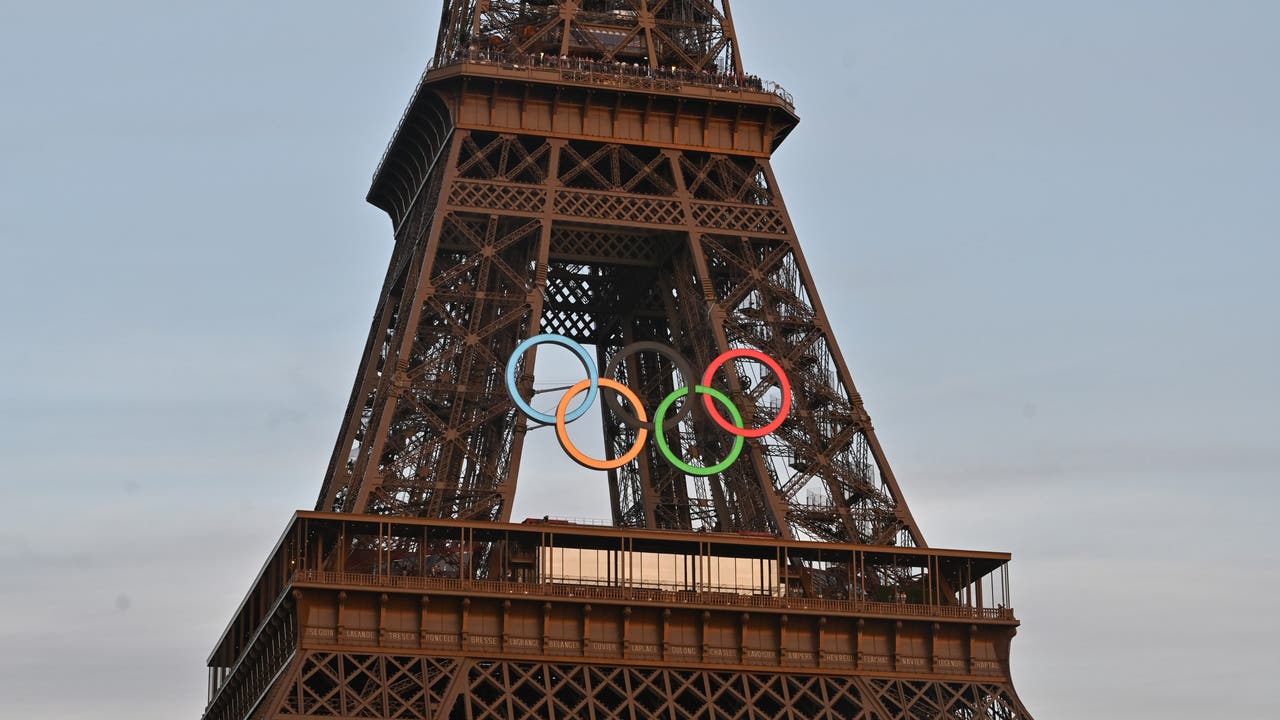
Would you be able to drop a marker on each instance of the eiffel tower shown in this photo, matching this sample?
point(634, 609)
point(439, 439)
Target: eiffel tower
point(595, 175)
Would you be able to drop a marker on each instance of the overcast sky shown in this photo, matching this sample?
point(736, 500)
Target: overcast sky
point(1046, 234)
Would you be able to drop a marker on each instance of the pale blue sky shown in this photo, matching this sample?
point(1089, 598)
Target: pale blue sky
point(1046, 233)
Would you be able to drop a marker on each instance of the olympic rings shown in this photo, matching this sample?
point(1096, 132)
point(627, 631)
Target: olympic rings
point(638, 420)
point(738, 441)
point(562, 432)
point(782, 380)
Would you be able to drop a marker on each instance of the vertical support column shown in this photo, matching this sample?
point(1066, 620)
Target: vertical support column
point(424, 604)
point(935, 629)
point(546, 626)
point(342, 606)
point(626, 632)
point(463, 632)
point(764, 489)
point(397, 358)
point(782, 639)
point(860, 627)
point(897, 644)
point(382, 619)
point(666, 640)
point(901, 510)
point(536, 301)
point(970, 641)
point(506, 621)
point(702, 633)
point(822, 641)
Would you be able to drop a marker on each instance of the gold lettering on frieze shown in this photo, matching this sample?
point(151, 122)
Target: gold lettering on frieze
point(523, 642)
point(839, 657)
point(401, 636)
point(484, 640)
point(683, 650)
point(911, 661)
point(441, 638)
point(320, 632)
point(563, 644)
point(360, 634)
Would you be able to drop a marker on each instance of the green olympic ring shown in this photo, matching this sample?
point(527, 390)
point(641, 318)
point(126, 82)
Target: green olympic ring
point(738, 442)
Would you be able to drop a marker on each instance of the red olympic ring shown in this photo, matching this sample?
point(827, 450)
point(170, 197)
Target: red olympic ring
point(777, 371)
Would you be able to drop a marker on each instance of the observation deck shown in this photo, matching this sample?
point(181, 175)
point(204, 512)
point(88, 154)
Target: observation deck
point(546, 588)
point(577, 98)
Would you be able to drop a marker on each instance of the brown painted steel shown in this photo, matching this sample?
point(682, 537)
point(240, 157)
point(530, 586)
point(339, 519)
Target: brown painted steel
point(601, 170)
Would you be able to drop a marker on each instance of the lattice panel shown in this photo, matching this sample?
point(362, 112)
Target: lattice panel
point(503, 157)
point(633, 209)
point(388, 686)
point(348, 685)
point(618, 168)
point(721, 178)
point(750, 219)
point(497, 196)
point(611, 245)
point(924, 699)
point(498, 690)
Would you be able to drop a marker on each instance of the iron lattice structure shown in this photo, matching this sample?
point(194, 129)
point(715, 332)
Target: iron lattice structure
point(691, 34)
point(601, 171)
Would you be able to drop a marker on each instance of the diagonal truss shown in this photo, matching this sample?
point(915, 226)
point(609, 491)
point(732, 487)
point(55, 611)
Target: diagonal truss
point(351, 685)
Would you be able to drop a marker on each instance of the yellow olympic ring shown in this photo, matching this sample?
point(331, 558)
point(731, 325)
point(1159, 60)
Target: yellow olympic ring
point(562, 430)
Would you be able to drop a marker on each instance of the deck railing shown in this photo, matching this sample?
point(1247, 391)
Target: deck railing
point(641, 594)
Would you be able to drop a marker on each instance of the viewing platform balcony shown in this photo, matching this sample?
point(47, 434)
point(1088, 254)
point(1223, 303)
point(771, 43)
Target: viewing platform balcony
point(637, 76)
point(547, 587)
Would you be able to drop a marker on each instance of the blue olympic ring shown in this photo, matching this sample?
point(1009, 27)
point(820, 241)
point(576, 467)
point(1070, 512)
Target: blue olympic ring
point(588, 364)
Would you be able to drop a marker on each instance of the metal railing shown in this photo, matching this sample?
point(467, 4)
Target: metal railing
point(631, 74)
point(640, 594)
